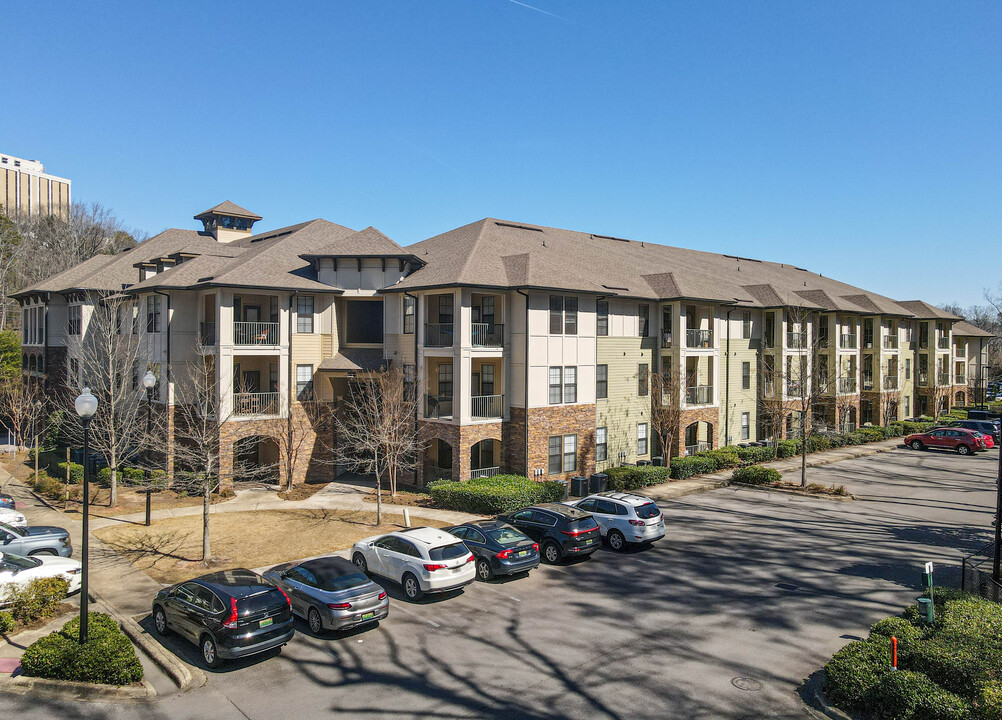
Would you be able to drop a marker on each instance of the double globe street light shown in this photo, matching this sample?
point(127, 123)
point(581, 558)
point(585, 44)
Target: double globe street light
point(149, 382)
point(86, 406)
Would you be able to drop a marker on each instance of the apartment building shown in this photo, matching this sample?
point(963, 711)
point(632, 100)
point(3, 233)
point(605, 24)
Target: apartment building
point(27, 190)
point(531, 349)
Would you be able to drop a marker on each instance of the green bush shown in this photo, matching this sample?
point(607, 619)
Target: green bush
point(870, 434)
point(107, 656)
point(76, 472)
point(6, 622)
point(854, 671)
point(907, 695)
point(684, 467)
point(631, 477)
point(35, 600)
point(757, 454)
point(46, 485)
point(756, 475)
point(786, 448)
point(817, 443)
point(494, 495)
point(988, 703)
point(722, 458)
point(904, 631)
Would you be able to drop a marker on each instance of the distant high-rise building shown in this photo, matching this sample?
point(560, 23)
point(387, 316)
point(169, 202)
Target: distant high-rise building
point(27, 190)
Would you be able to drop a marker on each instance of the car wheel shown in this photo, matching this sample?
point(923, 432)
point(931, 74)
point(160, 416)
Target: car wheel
point(963, 450)
point(551, 553)
point(916, 444)
point(412, 588)
point(484, 571)
point(160, 620)
point(616, 540)
point(359, 560)
point(209, 652)
point(315, 623)
point(35, 553)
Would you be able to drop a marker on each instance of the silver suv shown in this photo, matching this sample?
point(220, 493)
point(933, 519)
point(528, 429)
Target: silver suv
point(625, 518)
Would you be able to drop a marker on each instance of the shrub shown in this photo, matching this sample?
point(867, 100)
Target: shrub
point(989, 701)
point(632, 477)
point(104, 477)
point(76, 472)
point(494, 495)
point(817, 443)
point(6, 622)
point(897, 627)
point(684, 467)
point(107, 656)
point(757, 454)
point(756, 475)
point(37, 599)
point(46, 485)
point(907, 695)
point(786, 448)
point(854, 671)
point(722, 458)
point(870, 434)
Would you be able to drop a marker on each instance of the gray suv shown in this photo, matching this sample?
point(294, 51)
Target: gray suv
point(35, 540)
point(624, 518)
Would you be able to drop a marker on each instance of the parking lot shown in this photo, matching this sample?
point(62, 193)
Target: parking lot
point(748, 595)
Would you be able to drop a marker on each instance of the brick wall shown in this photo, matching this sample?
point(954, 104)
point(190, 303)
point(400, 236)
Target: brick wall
point(710, 415)
point(561, 420)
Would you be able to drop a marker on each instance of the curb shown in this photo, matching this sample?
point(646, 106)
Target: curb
point(81, 691)
point(829, 710)
point(790, 491)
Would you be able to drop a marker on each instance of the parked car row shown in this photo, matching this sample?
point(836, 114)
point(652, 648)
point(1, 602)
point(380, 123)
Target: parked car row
point(237, 613)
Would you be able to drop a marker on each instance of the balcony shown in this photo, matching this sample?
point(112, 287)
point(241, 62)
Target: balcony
point(255, 333)
point(438, 407)
point(796, 340)
point(847, 341)
point(698, 448)
point(943, 378)
point(487, 407)
point(701, 339)
point(943, 343)
point(868, 382)
point(960, 350)
point(890, 342)
point(256, 404)
point(489, 335)
point(922, 378)
point(960, 379)
point(438, 334)
point(847, 385)
point(890, 382)
point(699, 395)
point(666, 339)
point(207, 333)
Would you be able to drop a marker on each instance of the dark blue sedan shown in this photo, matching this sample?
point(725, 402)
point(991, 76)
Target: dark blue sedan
point(499, 548)
point(6, 501)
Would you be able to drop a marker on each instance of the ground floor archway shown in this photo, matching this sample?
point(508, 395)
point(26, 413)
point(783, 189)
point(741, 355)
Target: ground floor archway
point(256, 459)
point(485, 458)
point(698, 437)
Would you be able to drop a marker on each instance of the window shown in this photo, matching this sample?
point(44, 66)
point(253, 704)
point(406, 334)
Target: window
point(273, 309)
point(570, 453)
point(487, 309)
point(304, 382)
point(745, 425)
point(556, 315)
point(304, 315)
point(602, 381)
point(908, 406)
point(556, 443)
point(602, 318)
point(73, 372)
point(643, 380)
point(555, 386)
point(135, 318)
point(644, 315)
point(365, 321)
point(746, 324)
point(746, 376)
point(408, 315)
point(570, 384)
point(153, 314)
point(410, 388)
point(272, 377)
point(445, 307)
point(486, 380)
point(570, 316)
point(445, 380)
point(75, 314)
point(908, 371)
point(601, 444)
point(641, 438)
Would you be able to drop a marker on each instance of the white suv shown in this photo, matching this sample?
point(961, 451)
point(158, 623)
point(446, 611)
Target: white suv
point(624, 518)
point(423, 560)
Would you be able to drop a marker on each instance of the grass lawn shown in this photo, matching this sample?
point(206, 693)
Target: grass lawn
point(170, 550)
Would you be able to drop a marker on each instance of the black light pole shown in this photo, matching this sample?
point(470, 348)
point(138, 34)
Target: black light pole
point(86, 406)
point(149, 382)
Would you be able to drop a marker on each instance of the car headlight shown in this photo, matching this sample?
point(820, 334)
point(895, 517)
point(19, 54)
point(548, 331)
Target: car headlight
point(76, 571)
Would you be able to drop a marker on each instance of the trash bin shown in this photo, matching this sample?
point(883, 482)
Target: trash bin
point(599, 483)
point(643, 463)
point(658, 461)
point(579, 486)
point(926, 611)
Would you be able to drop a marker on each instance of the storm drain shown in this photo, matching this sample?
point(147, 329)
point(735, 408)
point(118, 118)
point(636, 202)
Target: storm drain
point(746, 684)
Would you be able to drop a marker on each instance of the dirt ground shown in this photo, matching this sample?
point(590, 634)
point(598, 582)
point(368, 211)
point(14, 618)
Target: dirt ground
point(303, 491)
point(170, 550)
point(403, 497)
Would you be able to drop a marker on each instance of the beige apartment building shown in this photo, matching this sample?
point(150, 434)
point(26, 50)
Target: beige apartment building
point(27, 190)
point(531, 349)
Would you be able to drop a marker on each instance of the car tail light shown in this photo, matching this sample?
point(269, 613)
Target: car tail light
point(504, 554)
point(431, 567)
point(339, 606)
point(287, 598)
point(637, 522)
point(382, 596)
point(575, 533)
point(231, 621)
point(535, 546)
point(65, 541)
point(470, 558)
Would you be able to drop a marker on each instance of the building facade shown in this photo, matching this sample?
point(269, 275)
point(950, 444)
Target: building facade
point(26, 190)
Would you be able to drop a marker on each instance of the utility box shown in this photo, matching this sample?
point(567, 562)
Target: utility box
point(599, 482)
point(579, 486)
point(643, 463)
point(926, 610)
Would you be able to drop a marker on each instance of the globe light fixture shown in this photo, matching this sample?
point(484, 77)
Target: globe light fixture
point(85, 404)
point(149, 380)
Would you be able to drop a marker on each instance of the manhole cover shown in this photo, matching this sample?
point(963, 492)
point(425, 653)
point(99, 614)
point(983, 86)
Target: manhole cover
point(747, 684)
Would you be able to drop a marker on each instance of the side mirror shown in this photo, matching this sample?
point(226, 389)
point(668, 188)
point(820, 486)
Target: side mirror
point(372, 545)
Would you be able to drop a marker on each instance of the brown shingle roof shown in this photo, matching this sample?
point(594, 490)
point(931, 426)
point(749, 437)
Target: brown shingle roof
point(965, 329)
point(228, 208)
point(925, 311)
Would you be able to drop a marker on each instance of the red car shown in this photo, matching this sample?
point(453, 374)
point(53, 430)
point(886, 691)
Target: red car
point(961, 440)
point(989, 440)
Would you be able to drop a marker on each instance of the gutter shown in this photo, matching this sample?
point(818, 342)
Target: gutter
point(525, 382)
point(417, 403)
point(288, 455)
point(727, 381)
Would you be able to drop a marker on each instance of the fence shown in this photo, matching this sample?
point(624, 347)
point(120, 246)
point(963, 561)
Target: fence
point(976, 574)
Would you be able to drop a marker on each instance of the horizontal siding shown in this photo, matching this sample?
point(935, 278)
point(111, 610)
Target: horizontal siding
point(623, 409)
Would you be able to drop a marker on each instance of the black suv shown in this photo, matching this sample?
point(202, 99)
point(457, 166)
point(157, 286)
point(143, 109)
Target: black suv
point(228, 614)
point(985, 427)
point(562, 531)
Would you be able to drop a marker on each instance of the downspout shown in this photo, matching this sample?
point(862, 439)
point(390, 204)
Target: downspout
point(727, 382)
point(288, 454)
point(167, 402)
point(525, 381)
point(417, 402)
point(167, 295)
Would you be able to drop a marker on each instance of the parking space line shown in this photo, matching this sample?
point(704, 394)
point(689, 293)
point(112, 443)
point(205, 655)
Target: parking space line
point(402, 608)
point(483, 586)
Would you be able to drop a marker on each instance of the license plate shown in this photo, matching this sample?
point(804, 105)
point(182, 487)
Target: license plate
point(589, 542)
point(522, 553)
point(368, 616)
point(266, 622)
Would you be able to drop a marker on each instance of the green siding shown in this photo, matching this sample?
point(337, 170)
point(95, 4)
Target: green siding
point(623, 409)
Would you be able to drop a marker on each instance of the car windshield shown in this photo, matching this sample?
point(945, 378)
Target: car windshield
point(449, 552)
point(16, 563)
point(507, 536)
point(342, 582)
point(20, 532)
point(261, 601)
point(587, 523)
point(648, 511)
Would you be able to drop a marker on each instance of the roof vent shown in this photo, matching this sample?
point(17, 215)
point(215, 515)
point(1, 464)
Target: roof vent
point(517, 227)
point(205, 279)
point(738, 257)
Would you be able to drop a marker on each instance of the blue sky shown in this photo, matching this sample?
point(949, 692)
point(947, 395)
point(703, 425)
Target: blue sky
point(857, 139)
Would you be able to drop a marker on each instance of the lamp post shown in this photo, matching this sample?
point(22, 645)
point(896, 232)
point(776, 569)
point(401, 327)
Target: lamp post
point(86, 406)
point(149, 382)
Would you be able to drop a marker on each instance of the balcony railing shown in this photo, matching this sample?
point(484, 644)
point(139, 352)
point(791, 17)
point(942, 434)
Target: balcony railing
point(434, 472)
point(487, 407)
point(438, 406)
point(890, 382)
point(847, 341)
point(960, 379)
point(768, 341)
point(922, 378)
point(255, 333)
point(484, 472)
point(890, 342)
point(944, 343)
point(438, 335)
point(699, 395)
point(666, 339)
point(487, 335)
point(960, 350)
point(796, 340)
point(256, 403)
point(943, 378)
point(698, 447)
point(699, 338)
point(868, 382)
point(207, 333)
point(847, 385)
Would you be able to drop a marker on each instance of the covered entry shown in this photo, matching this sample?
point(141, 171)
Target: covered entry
point(485, 459)
point(256, 459)
point(698, 437)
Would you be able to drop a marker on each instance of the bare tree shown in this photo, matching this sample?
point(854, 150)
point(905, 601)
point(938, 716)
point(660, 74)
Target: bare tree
point(11, 252)
point(890, 401)
point(22, 405)
point(376, 433)
point(666, 409)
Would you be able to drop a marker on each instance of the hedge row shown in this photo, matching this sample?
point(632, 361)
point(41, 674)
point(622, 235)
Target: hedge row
point(495, 495)
point(630, 477)
point(34, 600)
point(757, 475)
point(107, 657)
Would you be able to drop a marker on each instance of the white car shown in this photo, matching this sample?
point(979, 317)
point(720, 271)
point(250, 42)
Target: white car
point(12, 518)
point(17, 570)
point(624, 517)
point(423, 560)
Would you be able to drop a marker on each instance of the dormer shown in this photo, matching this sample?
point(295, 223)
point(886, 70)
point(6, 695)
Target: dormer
point(227, 222)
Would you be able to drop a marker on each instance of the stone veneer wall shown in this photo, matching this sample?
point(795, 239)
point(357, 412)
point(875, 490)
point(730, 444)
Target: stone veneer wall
point(462, 438)
point(560, 420)
point(709, 415)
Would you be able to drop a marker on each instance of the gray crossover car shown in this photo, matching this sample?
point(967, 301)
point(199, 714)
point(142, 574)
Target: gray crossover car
point(330, 592)
point(35, 540)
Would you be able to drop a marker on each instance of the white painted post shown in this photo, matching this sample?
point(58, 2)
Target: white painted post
point(407, 517)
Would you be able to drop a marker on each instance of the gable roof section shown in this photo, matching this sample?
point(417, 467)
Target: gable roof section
point(228, 208)
point(925, 311)
point(965, 329)
point(364, 243)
